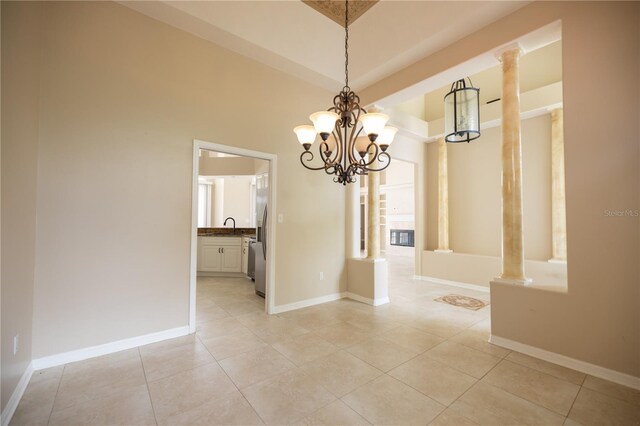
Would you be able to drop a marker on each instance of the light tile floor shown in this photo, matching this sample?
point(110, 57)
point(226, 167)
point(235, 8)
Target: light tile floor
point(413, 361)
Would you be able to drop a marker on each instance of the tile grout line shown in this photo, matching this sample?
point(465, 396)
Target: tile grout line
point(146, 382)
point(232, 382)
point(527, 399)
point(470, 387)
point(64, 367)
point(573, 402)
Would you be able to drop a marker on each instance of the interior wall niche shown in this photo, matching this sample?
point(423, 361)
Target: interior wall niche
point(474, 169)
point(475, 218)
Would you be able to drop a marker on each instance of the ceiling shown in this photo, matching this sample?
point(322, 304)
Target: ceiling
point(295, 38)
point(537, 69)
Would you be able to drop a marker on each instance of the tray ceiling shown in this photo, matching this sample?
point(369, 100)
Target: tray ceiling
point(294, 38)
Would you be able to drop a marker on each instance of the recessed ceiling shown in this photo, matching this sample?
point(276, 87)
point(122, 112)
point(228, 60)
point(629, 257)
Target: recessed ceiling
point(537, 69)
point(335, 10)
point(294, 38)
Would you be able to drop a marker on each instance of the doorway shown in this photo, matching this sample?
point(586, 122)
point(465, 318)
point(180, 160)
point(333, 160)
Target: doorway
point(397, 217)
point(267, 223)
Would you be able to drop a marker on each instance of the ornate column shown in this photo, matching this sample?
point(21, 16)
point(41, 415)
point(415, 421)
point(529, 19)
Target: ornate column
point(352, 249)
point(558, 207)
point(373, 213)
point(512, 236)
point(443, 198)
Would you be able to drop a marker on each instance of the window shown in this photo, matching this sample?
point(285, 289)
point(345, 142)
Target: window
point(204, 205)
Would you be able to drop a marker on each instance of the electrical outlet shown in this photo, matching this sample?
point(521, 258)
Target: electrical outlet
point(321, 276)
point(15, 343)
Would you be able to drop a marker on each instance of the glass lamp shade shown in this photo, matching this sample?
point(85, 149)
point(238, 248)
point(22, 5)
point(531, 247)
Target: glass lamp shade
point(362, 143)
point(462, 113)
point(306, 135)
point(386, 137)
point(373, 123)
point(324, 122)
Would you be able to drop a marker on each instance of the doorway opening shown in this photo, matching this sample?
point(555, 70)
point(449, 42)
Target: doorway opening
point(397, 217)
point(232, 232)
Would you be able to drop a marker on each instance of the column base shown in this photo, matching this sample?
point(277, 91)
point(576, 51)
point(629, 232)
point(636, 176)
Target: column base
point(554, 260)
point(367, 280)
point(443, 251)
point(515, 281)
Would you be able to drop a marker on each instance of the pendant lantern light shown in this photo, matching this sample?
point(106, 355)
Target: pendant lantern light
point(462, 113)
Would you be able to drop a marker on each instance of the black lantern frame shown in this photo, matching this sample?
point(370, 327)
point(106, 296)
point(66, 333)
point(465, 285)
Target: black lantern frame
point(462, 133)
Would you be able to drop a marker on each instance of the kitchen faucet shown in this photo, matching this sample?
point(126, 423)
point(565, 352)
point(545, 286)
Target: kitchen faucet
point(234, 223)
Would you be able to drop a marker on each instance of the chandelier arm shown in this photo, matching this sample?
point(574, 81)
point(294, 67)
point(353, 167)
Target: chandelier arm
point(382, 154)
point(339, 144)
point(361, 171)
point(325, 159)
point(366, 163)
point(302, 160)
point(352, 144)
point(330, 170)
point(352, 171)
point(356, 111)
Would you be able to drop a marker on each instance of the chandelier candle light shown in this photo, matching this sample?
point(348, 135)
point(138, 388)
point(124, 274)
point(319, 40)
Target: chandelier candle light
point(343, 150)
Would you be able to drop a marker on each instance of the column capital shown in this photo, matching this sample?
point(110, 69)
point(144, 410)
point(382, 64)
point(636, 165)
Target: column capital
point(513, 47)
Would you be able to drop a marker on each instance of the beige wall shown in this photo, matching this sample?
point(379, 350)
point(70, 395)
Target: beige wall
point(115, 86)
point(227, 166)
point(20, 85)
point(598, 321)
point(475, 218)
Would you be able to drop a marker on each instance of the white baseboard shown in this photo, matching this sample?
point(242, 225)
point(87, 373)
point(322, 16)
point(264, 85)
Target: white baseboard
point(307, 302)
point(452, 283)
point(565, 361)
point(14, 400)
point(328, 298)
point(373, 302)
point(107, 348)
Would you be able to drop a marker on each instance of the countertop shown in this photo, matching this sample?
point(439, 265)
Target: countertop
point(227, 232)
point(228, 235)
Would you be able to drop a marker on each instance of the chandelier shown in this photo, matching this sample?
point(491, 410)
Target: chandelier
point(343, 148)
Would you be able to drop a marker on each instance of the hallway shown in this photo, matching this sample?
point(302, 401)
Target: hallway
point(413, 361)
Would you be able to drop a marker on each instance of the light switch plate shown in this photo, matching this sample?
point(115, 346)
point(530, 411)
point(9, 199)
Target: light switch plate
point(280, 218)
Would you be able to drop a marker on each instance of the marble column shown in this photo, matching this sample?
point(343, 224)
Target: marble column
point(373, 213)
point(512, 235)
point(443, 198)
point(558, 207)
point(353, 220)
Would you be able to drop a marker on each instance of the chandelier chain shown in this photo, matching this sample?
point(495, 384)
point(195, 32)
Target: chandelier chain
point(346, 45)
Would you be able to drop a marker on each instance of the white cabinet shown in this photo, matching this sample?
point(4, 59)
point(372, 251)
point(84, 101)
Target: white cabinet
point(245, 255)
point(231, 259)
point(219, 254)
point(210, 258)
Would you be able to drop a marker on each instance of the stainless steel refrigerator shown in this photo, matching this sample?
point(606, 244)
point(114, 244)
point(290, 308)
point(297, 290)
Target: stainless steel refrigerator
point(262, 212)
